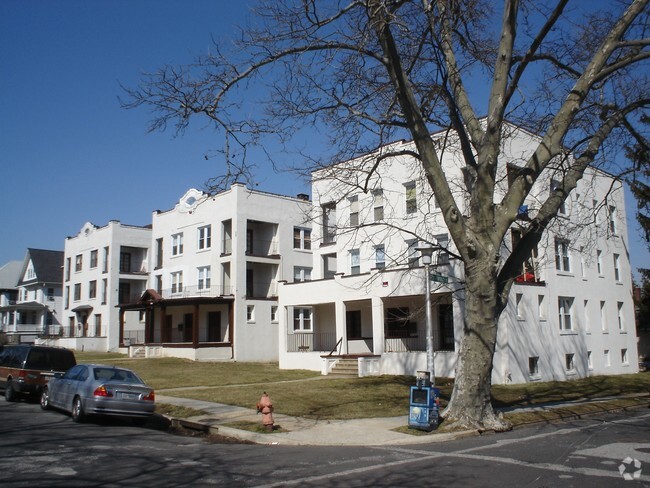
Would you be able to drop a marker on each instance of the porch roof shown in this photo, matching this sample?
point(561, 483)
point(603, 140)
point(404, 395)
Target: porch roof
point(24, 306)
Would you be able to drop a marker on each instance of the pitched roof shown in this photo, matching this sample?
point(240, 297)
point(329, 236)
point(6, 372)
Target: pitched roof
point(48, 266)
point(10, 274)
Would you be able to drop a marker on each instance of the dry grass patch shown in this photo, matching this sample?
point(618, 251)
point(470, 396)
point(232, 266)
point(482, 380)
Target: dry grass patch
point(176, 411)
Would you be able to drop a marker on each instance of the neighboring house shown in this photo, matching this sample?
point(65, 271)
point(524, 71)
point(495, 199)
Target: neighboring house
point(216, 264)
point(9, 276)
point(104, 267)
point(36, 304)
point(570, 312)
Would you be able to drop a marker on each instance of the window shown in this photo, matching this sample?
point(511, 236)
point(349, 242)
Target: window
point(67, 269)
point(443, 242)
point(250, 313)
point(159, 253)
point(105, 263)
point(355, 267)
point(624, 358)
point(568, 362)
point(619, 314)
point(93, 258)
point(611, 214)
point(329, 223)
point(177, 244)
point(329, 265)
point(608, 361)
point(446, 321)
point(78, 261)
point(77, 292)
point(541, 307)
point(98, 325)
point(104, 290)
point(555, 186)
point(380, 257)
point(519, 306)
point(412, 254)
point(603, 317)
point(177, 282)
point(301, 238)
point(301, 273)
point(66, 298)
point(125, 262)
point(562, 259)
point(204, 278)
point(590, 360)
point(301, 319)
point(599, 262)
point(92, 289)
point(354, 211)
point(274, 314)
point(564, 313)
point(159, 282)
point(533, 366)
point(585, 309)
point(378, 205)
point(411, 198)
point(205, 237)
point(617, 267)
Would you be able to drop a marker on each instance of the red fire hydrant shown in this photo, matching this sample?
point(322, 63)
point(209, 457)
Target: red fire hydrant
point(265, 407)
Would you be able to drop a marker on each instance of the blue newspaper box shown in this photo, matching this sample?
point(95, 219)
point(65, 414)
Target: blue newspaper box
point(424, 406)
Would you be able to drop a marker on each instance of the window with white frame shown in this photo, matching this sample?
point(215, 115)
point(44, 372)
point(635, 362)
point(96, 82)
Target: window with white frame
point(92, 289)
point(177, 244)
point(380, 257)
point(533, 366)
point(411, 198)
point(355, 262)
point(177, 282)
point(443, 242)
point(250, 313)
point(354, 210)
point(302, 319)
point(93, 258)
point(301, 238)
point(619, 314)
point(77, 292)
point(599, 262)
point(624, 358)
point(78, 262)
point(590, 360)
point(555, 186)
point(204, 277)
point(603, 317)
point(585, 312)
point(301, 273)
point(378, 205)
point(329, 223)
point(569, 362)
point(608, 361)
point(541, 307)
point(104, 290)
point(274, 314)
point(562, 257)
point(617, 267)
point(611, 215)
point(204, 237)
point(519, 297)
point(565, 305)
point(412, 254)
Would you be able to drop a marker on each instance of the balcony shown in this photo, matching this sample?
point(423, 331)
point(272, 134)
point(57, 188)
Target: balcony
point(196, 292)
point(263, 248)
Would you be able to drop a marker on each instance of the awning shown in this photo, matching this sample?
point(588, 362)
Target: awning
point(82, 308)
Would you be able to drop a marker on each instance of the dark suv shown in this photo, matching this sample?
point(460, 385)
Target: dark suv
point(25, 369)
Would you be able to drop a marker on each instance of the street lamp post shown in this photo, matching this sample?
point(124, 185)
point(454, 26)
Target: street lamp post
point(426, 252)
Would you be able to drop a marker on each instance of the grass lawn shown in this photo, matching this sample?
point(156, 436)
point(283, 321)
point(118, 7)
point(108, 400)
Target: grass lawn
point(307, 394)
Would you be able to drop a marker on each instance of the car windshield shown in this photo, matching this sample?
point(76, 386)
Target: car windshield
point(113, 374)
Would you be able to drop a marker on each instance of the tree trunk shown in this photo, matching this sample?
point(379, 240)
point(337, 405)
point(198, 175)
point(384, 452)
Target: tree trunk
point(470, 405)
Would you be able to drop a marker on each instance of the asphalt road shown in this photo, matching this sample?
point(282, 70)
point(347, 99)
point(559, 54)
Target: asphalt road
point(47, 449)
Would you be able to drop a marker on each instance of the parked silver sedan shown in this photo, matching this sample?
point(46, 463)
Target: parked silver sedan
point(95, 389)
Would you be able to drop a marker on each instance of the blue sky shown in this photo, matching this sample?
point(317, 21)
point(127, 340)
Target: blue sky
point(69, 153)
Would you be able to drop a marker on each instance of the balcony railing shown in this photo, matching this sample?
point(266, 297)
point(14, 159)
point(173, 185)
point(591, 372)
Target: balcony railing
point(132, 337)
point(405, 344)
point(195, 291)
point(262, 248)
point(311, 341)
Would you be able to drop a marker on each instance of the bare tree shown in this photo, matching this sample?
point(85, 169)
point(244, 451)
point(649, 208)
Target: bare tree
point(365, 72)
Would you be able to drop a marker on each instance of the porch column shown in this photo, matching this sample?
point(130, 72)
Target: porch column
point(164, 332)
point(341, 329)
point(231, 330)
point(195, 327)
point(121, 338)
point(377, 325)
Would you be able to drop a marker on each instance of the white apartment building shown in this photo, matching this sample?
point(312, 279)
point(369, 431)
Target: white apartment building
point(217, 262)
point(102, 268)
point(34, 309)
point(570, 313)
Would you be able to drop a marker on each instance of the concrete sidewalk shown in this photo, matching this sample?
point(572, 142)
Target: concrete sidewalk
point(301, 431)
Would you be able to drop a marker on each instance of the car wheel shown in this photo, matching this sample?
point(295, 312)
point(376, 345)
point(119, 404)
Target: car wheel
point(78, 414)
point(10, 393)
point(45, 399)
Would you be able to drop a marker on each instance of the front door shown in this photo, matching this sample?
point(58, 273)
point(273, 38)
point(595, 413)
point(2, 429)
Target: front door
point(214, 327)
